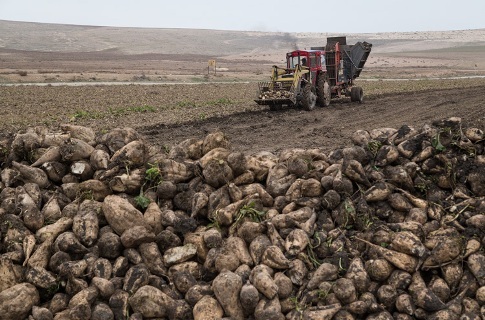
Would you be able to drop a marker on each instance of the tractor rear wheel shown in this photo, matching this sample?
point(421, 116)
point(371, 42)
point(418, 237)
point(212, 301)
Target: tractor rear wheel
point(357, 94)
point(309, 98)
point(324, 94)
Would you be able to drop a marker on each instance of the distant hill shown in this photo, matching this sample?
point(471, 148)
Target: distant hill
point(73, 38)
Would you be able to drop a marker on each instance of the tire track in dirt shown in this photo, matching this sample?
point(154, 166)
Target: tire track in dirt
point(329, 128)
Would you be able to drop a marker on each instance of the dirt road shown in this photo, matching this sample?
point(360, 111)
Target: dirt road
point(331, 127)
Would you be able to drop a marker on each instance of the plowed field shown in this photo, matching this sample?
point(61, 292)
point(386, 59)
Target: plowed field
point(168, 114)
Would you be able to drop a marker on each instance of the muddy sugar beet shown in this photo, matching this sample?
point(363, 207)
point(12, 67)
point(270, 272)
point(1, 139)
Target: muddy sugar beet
point(104, 226)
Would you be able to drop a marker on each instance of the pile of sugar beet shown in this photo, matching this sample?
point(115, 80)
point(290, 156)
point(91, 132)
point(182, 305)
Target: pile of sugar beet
point(104, 226)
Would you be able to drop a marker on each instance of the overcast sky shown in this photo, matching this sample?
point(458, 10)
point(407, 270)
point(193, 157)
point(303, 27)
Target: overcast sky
point(352, 16)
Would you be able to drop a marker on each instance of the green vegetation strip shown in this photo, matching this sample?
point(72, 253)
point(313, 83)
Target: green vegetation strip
point(83, 114)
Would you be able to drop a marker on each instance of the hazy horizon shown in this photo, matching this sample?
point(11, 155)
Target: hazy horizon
point(353, 16)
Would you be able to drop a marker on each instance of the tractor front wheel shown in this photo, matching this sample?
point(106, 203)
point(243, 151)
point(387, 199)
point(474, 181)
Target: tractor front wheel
point(275, 107)
point(356, 94)
point(324, 94)
point(309, 98)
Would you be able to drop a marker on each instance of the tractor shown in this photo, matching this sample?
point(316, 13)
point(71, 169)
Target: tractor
point(314, 77)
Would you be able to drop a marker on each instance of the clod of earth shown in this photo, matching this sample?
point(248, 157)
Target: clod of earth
point(105, 226)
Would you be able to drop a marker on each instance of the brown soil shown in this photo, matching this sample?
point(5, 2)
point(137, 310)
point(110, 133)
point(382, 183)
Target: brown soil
point(168, 114)
point(62, 59)
point(329, 128)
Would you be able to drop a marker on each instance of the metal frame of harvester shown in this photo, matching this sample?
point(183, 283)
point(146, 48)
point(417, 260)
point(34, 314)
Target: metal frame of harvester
point(313, 77)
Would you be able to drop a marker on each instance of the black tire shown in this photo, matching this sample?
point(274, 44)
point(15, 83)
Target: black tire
point(309, 98)
point(324, 95)
point(275, 107)
point(356, 94)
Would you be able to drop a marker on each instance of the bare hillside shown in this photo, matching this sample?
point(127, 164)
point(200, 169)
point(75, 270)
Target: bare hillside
point(39, 52)
point(72, 38)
